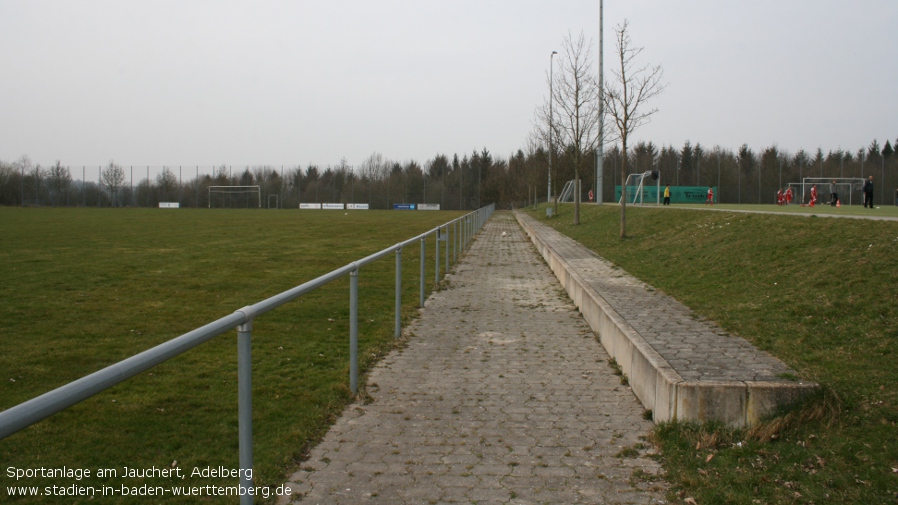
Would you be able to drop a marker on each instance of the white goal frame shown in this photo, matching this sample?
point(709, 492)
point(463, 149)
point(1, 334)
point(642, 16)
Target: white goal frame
point(846, 187)
point(235, 190)
point(638, 194)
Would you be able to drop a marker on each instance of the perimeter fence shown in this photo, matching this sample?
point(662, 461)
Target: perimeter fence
point(450, 240)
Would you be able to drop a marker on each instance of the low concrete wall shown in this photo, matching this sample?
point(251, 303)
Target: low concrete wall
point(657, 384)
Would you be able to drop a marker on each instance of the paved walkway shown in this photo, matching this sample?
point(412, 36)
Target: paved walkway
point(503, 395)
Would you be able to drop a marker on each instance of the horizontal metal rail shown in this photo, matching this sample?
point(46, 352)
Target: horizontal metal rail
point(32, 411)
point(27, 413)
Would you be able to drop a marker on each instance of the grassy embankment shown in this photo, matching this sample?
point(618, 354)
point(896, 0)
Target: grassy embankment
point(84, 288)
point(818, 210)
point(819, 293)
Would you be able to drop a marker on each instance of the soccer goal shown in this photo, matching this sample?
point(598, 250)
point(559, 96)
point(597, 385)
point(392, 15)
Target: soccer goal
point(235, 197)
point(567, 192)
point(636, 187)
point(844, 187)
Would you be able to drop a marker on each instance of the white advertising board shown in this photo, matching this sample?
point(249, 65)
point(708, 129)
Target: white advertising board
point(169, 205)
point(332, 206)
point(310, 206)
point(428, 206)
point(357, 206)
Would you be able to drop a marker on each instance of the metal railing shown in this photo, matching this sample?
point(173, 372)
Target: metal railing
point(460, 230)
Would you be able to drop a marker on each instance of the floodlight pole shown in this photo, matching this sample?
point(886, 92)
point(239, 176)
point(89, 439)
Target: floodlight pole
point(600, 151)
point(551, 127)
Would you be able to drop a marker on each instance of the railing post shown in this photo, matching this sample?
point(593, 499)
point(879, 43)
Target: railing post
point(436, 271)
point(446, 248)
point(455, 242)
point(423, 260)
point(398, 331)
point(354, 331)
point(245, 409)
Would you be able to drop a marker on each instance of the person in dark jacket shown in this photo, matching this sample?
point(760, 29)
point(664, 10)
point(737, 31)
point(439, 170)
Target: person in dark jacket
point(868, 192)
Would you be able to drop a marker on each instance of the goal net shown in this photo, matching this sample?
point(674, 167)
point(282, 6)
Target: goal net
point(846, 188)
point(235, 197)
point(643, 187)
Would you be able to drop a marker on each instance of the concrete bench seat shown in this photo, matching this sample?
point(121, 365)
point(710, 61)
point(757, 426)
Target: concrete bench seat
point(680, 367)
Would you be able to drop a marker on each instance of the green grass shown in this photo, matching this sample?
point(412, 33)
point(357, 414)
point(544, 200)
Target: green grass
point(84, 288)
point(820, 294)
point(819, 210)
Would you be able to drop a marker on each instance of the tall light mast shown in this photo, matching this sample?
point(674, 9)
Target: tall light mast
point(600, 152)
point(551, 128)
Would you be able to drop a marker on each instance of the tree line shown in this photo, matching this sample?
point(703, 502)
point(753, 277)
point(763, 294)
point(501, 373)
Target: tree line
point(466, 181)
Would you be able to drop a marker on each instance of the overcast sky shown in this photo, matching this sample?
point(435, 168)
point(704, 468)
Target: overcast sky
point(298, 82)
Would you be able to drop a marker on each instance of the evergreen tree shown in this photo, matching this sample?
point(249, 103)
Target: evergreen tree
point(874, 150)
point(687, 163)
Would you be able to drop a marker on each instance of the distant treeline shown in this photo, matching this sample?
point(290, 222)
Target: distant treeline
point(460, 182)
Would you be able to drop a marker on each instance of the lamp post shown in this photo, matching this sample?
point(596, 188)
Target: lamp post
point(551, 128)
point(600, 151)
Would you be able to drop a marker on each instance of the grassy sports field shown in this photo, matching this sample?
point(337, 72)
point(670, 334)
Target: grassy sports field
point(820, 294)
point(84, 288)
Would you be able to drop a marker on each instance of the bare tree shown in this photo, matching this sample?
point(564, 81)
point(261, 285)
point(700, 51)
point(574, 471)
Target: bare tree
point(167, 182)
point(7, 176)
point(38, 175)
point(222, 175)
point(22, 166)
point(625, 100)
point(60, 178)
point(112, 179)
point(374, 167)
point(575, 97)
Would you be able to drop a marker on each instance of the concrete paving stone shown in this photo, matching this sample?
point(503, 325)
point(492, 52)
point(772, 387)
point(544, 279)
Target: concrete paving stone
point(487, 495)
point(500, 388)
point(492, 469)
